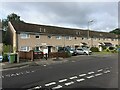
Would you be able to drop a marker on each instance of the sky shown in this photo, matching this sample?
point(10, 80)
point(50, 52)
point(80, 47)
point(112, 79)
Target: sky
point(65, 14)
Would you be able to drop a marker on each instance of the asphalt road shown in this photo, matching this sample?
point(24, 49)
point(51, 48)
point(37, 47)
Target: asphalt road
point(78, 72)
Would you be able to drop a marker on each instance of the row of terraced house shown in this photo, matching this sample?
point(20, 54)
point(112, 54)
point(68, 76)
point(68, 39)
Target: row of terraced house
point(25, 37)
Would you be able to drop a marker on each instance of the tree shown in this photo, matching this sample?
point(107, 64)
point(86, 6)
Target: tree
point(11, 17)
point(116, 31)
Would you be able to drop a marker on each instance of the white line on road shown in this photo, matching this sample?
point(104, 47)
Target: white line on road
point(8, 75)
point(13, 75)
point(69, 83)
point(32, 71)
point(107, 71)
point(44, 65)
point(59, 86)
point(37, 87)
point(90, 72)
point(80, 80)
point(27, 71)
point(98, 74)
point(2, 76)
point(63, 80)
point(100, 70)
point(81, 75)
point(74, 77)
point(90, 76)
point(52, 83)
point(17, 74)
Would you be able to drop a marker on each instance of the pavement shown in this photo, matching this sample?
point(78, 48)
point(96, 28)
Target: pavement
point(7, 65)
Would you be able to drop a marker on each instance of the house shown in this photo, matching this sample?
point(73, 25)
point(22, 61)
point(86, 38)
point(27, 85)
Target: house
point(25, 37)
point(1, 44)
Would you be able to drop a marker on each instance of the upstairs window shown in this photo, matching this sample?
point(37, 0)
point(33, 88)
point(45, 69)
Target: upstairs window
point(24, 36)
point(68, 38)
point(58, 37)
point(77, 33)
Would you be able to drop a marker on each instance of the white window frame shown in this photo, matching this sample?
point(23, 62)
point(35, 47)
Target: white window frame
point(24, 48)
point(58, 37)
point(68, 37)
point(24, 35)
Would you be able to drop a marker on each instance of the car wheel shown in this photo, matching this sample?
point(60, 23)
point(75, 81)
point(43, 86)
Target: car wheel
point(85, 53)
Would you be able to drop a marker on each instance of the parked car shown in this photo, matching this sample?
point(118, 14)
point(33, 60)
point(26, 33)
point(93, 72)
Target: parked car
point(1, 57)
point(83, 51)
point(72, 51)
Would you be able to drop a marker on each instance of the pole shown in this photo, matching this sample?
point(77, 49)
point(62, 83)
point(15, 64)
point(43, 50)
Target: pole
point(89, 31)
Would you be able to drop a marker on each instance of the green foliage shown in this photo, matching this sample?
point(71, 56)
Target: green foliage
point(103, 47)
point(11, 17)
point(5, 58)
point(68, 54)
point(7, 48)
point(116, 31)
point(94, 49)
point(111, 49)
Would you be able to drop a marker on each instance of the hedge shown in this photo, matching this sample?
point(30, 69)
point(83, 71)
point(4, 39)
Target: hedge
point(94, 49)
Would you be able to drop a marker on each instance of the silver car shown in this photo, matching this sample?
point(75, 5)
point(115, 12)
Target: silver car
point(83, 51)
point(1, 57)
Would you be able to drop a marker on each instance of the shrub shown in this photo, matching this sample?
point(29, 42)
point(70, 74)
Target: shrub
point(94, 49)
point(68, 54)
point(103, 47)
point(5, 58)
point(111, 48)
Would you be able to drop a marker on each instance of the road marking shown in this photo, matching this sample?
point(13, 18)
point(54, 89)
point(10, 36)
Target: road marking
point(27, 71)
point(52, 83)
point(37, 87)
point(90, 77)
point(13, 75)
point(98, 74)
point(8, 75)
point(73, 61)
point(107, 71)
point(73, 77)
point(100, 70)
point(59, 86)
point(80, 80)
point(2, 76)
point(90, 72)
point(82, 75)
point(63, 80)
point(69, 83)
point(32, 71)
point(44, 65)
point(17, 74)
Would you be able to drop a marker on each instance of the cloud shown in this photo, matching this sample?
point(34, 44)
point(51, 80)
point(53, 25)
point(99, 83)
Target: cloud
point(66, 14)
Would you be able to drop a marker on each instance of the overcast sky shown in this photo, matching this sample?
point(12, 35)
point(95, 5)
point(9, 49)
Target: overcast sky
point(66, 14)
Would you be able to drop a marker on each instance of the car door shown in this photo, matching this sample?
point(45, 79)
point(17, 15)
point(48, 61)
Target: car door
point(80, 51)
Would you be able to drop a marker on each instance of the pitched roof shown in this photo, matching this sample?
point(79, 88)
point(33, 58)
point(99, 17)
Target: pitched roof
point(44, 29)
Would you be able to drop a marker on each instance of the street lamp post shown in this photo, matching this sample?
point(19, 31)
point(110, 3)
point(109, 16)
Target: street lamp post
point(89, 30)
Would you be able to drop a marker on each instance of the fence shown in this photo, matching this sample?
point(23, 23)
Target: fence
point(26, 55)
point(58, 54)
point(38, 55)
